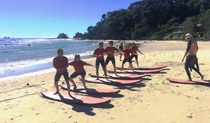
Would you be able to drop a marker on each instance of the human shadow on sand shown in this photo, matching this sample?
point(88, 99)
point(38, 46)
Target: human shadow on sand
point(115, 95)
point(131, 87)
point(78, 106)
point(88, 109)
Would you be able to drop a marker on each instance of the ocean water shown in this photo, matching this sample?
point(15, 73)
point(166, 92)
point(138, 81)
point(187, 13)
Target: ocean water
point(21, 56)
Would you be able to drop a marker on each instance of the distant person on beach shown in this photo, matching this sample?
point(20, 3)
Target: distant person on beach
point(126, 51)
point(110, 55)
point(60, 63)
point(191, 58)
point(99, 54)
point(78, 65)
point(134, 50)
point(121, 48)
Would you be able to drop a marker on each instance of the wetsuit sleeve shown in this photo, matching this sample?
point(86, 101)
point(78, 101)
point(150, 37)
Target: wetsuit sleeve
point(105, 51)
point(71, 63)
point(116, 49)
point(95, 52)
point(84, 63)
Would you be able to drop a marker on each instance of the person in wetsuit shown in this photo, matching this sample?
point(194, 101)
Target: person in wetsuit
point(191, 58)
point(78, 65)
point(126, 51)
point(60, 63)
point(110, 55)
point(99, 54)
point(134, 50)
point(121, 48)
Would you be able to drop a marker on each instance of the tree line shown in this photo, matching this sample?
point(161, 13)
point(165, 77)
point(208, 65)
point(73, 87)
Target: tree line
point(153, 19)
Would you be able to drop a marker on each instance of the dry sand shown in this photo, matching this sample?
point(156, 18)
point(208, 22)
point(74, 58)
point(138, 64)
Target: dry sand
point(150, 101)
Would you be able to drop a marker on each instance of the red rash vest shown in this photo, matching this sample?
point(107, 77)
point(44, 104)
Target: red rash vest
point(101, 52)
point(134, 49)
point(60, 62)
point(78, 66)
point(110, 50)
point(127, 53)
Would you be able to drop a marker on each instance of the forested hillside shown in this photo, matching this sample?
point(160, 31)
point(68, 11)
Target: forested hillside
point(153, 19)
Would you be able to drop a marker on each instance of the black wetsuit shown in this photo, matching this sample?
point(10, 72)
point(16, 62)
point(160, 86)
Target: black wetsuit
point(121, 47)
point(191, 61)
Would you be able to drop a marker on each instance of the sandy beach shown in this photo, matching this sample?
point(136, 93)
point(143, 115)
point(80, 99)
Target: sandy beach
point(150, 101)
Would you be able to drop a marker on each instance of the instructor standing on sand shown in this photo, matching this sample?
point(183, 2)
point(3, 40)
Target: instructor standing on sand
point(99, 54)
point(191, 58)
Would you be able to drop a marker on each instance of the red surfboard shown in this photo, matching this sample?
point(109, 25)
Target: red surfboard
point(121, 76)
point(136, 71)
point(112, 81)
point(145, 68)
point(184, 81)
point(64, 97)
point(91, 90)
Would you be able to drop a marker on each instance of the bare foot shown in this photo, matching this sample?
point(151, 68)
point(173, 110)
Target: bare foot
point(70, 94)
point(202, 77)
point(57, 92)
point(85, 86)
point(75, 87)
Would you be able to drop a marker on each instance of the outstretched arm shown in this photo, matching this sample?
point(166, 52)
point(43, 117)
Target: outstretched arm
point(140, 52)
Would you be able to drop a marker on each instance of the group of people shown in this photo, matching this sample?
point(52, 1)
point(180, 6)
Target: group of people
point(60, 62)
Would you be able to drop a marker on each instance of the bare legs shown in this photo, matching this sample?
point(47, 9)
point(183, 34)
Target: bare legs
point(83, 81)
point(97, 72)
point(72, 81)
point(56, 87)
point(137, 63)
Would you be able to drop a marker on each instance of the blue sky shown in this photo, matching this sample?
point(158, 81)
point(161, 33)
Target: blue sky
point(48, 18)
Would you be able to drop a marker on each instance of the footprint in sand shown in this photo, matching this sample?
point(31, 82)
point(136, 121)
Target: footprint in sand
point(197, 98)
point(190, 115)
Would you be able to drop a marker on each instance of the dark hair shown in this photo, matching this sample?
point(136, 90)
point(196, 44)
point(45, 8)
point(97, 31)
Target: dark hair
point(110, 42)
point(76, 56)
point(60, 50)
point(100, 43)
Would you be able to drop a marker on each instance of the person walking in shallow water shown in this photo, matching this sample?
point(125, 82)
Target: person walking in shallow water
point(191, 58)
point(60, 63)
